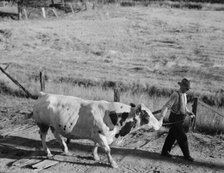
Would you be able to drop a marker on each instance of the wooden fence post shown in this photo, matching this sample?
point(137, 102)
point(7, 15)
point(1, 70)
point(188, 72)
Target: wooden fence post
point(194, 110)
point(72, 10)
point(55, 13)
point(116, 94)
point(43, 12)
point(42, 80)
point(25, 13)
point(63, 2)
point(19, 6)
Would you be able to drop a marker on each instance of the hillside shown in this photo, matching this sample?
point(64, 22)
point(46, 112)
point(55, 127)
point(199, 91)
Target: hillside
point(149, 46)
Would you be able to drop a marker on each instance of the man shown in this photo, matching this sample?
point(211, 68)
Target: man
point(177, 104)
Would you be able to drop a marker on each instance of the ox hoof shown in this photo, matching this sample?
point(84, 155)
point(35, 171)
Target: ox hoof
point(96, 158)
point(50, 156)
point(67, 153)
point(114, 165)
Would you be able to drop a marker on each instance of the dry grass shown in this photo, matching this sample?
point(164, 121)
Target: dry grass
point(207, 120)
point(148, 46)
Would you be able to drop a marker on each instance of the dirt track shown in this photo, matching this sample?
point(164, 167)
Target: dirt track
point(20, 149)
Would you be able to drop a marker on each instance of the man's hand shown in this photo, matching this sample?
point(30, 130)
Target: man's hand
point(191, 114)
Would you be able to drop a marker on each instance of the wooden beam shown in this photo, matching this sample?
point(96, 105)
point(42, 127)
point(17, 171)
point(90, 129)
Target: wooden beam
point(42, 80)
point(63, 2)
point(194, 110)
point(25, 13)
point(43, 12)
point(52, 2)
point(19, 6)
point(18, 84)
point(54, 11)
point(70, 4)
point(25, 162)
point(44, 164)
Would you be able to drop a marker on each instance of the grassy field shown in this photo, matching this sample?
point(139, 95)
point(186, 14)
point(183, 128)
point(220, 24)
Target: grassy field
point(138, 47)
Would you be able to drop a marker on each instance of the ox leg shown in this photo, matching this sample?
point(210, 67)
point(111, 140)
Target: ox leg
point(43, 134)
point(68, 141)
point(104, 144)
point(62, 142)
point(95, 152)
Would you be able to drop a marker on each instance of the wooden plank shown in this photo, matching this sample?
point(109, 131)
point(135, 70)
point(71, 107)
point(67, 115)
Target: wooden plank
point(25, 162)
point(8, 131)
point(25, 14)
point(43, 12)
point(18, 129)
point(71, 8)
point(55, 13)
point(62, 158)
point(44, 164)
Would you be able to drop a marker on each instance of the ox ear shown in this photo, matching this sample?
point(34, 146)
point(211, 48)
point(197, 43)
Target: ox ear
point(114, 117)
point(132, 105)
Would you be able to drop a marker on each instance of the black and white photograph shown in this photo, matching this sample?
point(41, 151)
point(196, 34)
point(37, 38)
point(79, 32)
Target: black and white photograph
point(112, 86)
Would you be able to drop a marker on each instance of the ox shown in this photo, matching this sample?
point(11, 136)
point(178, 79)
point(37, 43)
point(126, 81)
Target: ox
point(100, 121)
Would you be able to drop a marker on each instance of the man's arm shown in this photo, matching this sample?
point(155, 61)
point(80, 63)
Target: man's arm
point(190, 113)
point(164, 111)
point(169, 104)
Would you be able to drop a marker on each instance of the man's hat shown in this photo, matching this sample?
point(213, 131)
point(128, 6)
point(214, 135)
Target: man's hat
point(185, 83)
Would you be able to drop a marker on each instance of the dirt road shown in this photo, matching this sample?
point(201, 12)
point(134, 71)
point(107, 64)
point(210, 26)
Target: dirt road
point(20, 151)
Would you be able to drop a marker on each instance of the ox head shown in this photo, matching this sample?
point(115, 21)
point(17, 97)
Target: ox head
point(145, 117)
point(138, 116)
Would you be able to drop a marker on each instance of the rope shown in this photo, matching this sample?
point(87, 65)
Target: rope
point(176, 122)
point(166, 124)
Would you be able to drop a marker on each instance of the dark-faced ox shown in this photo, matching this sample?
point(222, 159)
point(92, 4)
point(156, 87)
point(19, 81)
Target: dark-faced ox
point(99, 121)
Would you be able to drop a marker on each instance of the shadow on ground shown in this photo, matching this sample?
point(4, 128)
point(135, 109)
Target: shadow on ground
point(15, 147)
point(8, 15)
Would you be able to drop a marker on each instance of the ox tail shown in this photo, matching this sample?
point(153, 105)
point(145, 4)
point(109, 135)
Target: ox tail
point(41, 93)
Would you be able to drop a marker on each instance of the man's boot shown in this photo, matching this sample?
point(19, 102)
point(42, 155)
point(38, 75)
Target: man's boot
point(185, 149)
point(167, 146)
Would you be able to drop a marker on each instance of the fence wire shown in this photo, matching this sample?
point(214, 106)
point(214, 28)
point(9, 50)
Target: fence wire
point(209, 118)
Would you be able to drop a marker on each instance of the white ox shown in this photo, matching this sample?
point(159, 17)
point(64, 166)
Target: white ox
point(99, 121)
